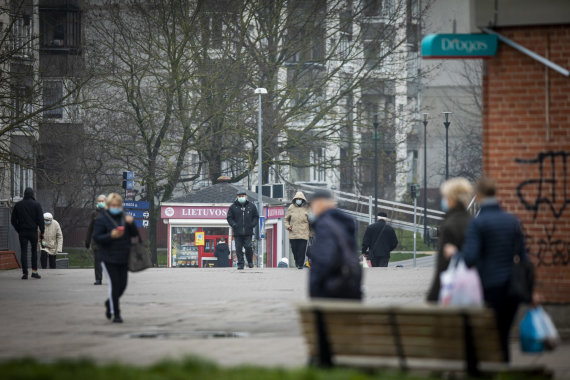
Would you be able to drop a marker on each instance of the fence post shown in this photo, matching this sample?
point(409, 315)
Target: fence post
point(370, 209)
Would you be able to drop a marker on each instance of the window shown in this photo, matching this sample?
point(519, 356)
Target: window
point(22, 102)
point(22, 36)
point(372, 8)
point(318, 161)
point(53, 96)
point(60, 29)
point(22, 178)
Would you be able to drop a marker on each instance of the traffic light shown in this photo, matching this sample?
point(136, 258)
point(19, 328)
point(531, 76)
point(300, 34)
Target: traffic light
point(128, 180)
point(414, 191)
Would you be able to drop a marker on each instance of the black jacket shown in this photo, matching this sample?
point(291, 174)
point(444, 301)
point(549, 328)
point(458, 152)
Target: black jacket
point(27, 215)
point(89, 236)
point(243, 218)
point(451, 231)
point(334, 230)
point(379, 240)
point(222, 253)
point(114, 251)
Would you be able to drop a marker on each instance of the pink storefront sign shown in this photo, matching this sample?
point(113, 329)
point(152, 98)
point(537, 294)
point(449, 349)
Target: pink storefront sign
point(275, 212)
point(193, 212)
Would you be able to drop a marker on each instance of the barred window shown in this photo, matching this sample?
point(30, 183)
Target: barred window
point(53, 96)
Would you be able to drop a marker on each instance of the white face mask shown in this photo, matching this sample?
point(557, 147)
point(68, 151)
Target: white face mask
point(47, 222)
point(299, 202)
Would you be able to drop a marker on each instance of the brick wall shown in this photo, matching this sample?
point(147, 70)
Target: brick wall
point(530, 161)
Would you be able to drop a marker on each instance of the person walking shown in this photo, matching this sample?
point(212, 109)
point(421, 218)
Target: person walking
point(112, 232)
point(27, 218)
point(335, 267)
point(90, 244)
point(297, 223)
point(378, 241)
point(222, 253)
point(243, 218)
point(493, 239)
point(52, 243)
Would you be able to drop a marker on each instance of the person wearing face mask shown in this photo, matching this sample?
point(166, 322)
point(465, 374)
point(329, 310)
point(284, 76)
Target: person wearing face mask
point(89, 243)
point(112, 232)
point(243, 218)
point(456, 194)
point(52, 243)
point(297, 223)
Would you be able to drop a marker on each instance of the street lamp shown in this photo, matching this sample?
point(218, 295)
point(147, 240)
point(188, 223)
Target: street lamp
point(446, 124)
point(425, 122)
point(260, 91)
point(375, 165)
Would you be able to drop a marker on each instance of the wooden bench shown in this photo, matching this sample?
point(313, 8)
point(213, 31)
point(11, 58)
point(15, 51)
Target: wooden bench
point(434, 337)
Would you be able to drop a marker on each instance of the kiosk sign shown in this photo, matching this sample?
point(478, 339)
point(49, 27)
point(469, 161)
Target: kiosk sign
point(456, 46)
point(199, 238)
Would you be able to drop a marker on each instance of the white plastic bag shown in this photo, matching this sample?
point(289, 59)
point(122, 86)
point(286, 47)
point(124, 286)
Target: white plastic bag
point(460, 286)
point(537, 332)
point(364, 262)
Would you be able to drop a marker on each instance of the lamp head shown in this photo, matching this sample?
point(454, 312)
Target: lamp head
point(260, 90)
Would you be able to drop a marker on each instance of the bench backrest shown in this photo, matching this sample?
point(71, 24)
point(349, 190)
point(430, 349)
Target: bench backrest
point(428, 332)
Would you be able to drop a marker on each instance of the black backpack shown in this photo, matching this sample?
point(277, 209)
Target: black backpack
point(346, 283)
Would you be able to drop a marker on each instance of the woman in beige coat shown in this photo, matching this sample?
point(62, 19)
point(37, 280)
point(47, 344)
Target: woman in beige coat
point(297, 222)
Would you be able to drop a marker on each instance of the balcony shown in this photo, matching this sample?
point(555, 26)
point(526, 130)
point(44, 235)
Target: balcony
point(60, 30)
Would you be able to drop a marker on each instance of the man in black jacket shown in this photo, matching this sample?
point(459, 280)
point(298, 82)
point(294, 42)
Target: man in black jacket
point(27, 218)
point(89, 243)
point(379, 240)
point(243, 218)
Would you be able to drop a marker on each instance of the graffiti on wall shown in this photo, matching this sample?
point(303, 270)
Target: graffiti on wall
point(549, 189)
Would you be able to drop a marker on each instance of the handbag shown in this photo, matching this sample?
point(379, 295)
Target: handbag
point(522, 279)
point(139, 259)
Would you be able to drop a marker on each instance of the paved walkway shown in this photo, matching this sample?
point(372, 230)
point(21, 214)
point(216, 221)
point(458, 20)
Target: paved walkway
point(224, 315)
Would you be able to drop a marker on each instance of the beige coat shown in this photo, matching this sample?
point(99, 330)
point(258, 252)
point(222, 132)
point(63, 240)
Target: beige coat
point(53, 238)
point(297, 218)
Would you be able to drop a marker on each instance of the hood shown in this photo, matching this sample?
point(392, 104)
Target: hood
point(300, 195)
point(29, 193)
point(348, 223)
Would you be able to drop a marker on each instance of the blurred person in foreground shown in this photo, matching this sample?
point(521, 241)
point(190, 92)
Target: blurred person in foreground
point(455, 197)
point(52, 243)
point(493, 238)
point(335, 267)
point(297, 223)
point(112, 232)
point(378, 241)
point(90, 244)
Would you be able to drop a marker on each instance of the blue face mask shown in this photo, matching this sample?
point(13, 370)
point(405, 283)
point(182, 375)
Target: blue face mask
point(444, 205)
point(299, 202)
point(115, 210)
point(241, 200)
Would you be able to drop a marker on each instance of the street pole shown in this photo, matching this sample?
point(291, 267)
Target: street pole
point(446, 123)
point(260, 253)
point(425, 122)
point(376, 165)
point(415, 226)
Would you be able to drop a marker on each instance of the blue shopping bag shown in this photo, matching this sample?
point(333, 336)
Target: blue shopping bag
point(537, 332)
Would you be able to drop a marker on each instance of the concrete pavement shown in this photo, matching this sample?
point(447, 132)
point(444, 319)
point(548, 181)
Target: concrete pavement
point(224, 315)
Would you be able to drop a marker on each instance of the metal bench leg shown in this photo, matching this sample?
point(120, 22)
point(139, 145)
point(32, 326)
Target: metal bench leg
point(472, 363)
point(324, 355)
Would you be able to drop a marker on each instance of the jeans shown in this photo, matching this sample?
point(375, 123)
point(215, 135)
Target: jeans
point(117, 275)
point(32, 238)
point(45, 257)
point(299, 247)
point(380, 261)
point(241, 243)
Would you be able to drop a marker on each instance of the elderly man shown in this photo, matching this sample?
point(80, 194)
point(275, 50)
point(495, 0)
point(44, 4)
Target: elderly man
point(379, 240)
point(99, 206)
point(52, 243)
point(243, 218)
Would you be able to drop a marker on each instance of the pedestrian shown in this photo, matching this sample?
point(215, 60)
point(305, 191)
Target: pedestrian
point(493, 239)
point(52, 243)
point(456, 194)
point(335, 267)
point(112, 232)
point(27, 218)
point(243, 218)
point(283, 263)
point(222, 253)
point(379, 240)
point(90, 243)
point(297, 223)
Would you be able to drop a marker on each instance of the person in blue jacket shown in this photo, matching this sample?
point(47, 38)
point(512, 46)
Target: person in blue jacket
point(112, 232)
point(493, 238)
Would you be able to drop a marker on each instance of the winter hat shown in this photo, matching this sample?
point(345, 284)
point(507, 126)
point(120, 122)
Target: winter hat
point(321, 194)
point(241, 192)
point(48, 216)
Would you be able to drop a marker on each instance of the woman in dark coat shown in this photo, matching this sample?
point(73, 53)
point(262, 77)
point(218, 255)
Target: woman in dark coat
point(456, 195)
point(222, 253)
point(112, 232)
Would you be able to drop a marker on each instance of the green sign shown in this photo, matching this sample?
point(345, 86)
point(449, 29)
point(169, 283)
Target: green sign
point(454, 46)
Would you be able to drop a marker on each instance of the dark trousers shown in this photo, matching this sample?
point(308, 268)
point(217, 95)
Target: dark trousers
point(241, 243)
point(45, 257)
point(32, 238)
point(380, 261)
point(505, 309)
point(97, 266)
point(117, 275)
point(299, 247)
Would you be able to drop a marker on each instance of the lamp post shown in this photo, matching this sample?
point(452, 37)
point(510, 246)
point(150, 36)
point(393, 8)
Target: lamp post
point(425, 122)
point(446, 124)
point(375, 165)
point(260, 91)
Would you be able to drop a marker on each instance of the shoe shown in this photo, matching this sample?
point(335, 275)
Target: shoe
point(25, 276)
point(299, 267)
point(36, 275)
point(240, 267)
point(117, 319)
point(250, 265)
point(108, 314)
point(97, 283)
